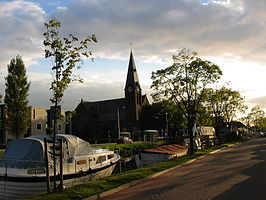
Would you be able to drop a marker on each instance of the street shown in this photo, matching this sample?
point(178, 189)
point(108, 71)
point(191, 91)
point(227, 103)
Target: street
point(234, 173)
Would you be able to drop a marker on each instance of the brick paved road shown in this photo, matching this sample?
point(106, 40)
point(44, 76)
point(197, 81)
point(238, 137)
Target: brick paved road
point(235, 173)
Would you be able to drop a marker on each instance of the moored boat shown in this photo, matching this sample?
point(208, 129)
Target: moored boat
point(23, 172)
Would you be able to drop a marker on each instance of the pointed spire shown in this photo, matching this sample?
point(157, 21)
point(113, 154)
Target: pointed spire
point(132, 76)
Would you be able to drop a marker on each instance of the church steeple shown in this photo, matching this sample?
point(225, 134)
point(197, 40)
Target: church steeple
point(133, 100)
point(132, 76)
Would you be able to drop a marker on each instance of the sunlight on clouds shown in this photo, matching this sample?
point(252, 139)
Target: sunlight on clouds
point(22, 33)
point(62, 8)
point(229, 33)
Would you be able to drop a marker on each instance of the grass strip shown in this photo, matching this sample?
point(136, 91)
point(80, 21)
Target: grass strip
point(95, 187)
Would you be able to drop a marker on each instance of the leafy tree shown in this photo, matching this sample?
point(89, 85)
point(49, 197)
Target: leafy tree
point(257, 118)
point(223, 104)
point(67, 53)
point(183, 83)
point(16, 94)
point(161, 116)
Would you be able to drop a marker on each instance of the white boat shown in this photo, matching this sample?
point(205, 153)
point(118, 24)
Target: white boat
point(23, 172)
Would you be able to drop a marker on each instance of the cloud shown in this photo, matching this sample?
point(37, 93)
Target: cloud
point(258, 101)
point(228, 32)
point(155, 27)
point(20, 34)
point(40, 93)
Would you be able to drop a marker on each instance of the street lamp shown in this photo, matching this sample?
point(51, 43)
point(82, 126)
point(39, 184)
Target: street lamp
point(118, 120)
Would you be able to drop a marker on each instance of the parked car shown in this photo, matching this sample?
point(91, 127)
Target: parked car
point(124, 140)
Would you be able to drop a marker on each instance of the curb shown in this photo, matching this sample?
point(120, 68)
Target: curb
point(127, 185)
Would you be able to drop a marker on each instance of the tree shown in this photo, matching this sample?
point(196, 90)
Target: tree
point(183, 83)
point(223, 104)
point(161, 116)
point(16, 94)
point(67, 53)
point(257, 118)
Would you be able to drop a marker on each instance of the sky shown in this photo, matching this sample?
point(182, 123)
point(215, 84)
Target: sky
point(232, 34)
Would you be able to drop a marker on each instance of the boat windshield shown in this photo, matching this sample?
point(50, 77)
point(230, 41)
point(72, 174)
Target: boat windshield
point(24, 149)
point(23, 153)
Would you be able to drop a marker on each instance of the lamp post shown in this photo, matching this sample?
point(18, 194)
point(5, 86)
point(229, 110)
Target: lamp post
point(118, 122)
point(166, 124)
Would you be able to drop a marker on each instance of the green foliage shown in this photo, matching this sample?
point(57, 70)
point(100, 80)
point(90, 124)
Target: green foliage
point(223, 104)
point(16, 94)
point(256, 119)
point(67, 53)
point(1, 154)
point(153, 116)
point(129, 150)
point(184, 82)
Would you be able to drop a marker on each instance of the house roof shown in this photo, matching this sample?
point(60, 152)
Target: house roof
point(167, 149)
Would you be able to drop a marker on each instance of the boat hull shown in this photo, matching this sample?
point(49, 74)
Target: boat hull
point(16, 187)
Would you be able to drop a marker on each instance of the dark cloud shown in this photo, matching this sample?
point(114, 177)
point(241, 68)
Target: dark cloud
point(155, 27)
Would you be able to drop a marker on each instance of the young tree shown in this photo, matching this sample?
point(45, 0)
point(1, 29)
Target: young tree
point(67, 53)
point(16, 94)
point(183, 83)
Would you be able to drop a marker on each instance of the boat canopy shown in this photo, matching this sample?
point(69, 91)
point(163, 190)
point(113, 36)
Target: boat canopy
point(24, 152)
point(71, 143)
point(24, 149)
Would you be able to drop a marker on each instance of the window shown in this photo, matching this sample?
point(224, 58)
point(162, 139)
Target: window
point(38, 127)
point(101, 159)
point(110, 156)
point(34, 114)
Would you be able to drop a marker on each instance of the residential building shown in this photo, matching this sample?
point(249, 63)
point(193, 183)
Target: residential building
point(60, 122)
point(37, 121)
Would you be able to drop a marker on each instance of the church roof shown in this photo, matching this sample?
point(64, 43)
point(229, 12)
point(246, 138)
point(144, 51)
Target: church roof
point(106, 109)
point(132, 76)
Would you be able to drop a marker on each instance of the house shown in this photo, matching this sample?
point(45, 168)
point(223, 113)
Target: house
point(40, 123)
point(60, 122)
point(102, 119)
point(37, 121)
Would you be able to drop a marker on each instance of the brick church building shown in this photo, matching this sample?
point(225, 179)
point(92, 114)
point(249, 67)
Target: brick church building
point(103, 119)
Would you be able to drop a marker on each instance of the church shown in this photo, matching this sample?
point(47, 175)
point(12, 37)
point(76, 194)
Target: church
point(102, 120)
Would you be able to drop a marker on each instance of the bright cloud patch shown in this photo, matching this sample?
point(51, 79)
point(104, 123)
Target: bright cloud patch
point(20, 33)
point(230, 32)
